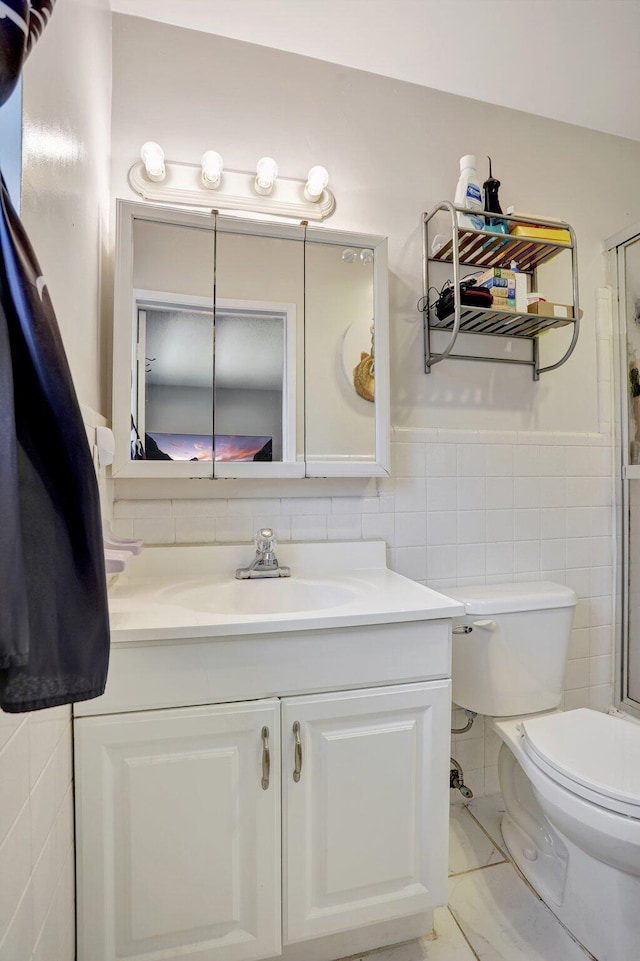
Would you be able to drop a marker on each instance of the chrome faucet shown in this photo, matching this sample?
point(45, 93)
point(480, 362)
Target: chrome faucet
point(265, 563)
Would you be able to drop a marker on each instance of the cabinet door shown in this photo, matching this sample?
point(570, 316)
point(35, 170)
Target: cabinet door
point(365, 824)
point(178, 840)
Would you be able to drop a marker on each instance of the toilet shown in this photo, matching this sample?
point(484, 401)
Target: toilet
point(570, 780)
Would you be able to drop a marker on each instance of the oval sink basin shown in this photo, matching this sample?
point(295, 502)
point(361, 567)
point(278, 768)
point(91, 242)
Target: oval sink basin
point(272, 595)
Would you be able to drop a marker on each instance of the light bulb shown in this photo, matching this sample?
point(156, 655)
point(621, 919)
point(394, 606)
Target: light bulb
point(349, 255)
point(366, 255)
point(317, 180)
point(211, 168)
point(266, 173)
point(152, 156)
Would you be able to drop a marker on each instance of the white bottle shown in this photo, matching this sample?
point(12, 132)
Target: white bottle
point(469, 194)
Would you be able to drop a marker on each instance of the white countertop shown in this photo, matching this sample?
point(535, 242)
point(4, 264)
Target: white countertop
point(175, 592)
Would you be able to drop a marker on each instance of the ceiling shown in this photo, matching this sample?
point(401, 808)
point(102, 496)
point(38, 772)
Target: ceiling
point(571, 60)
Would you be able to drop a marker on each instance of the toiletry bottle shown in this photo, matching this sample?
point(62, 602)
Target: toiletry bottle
point(492, 203)
point(520, 283)
point(490, 187)
point(468, 194)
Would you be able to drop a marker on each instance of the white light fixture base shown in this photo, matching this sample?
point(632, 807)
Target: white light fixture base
point(183, 185)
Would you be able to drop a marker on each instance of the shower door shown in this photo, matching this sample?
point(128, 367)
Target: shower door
point(625, 266)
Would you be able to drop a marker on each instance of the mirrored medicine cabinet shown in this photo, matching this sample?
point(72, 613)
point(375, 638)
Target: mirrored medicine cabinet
point(248, 349)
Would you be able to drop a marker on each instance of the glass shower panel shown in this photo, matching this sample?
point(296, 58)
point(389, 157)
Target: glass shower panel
point(633, 652)
point(632, 314)
point(629, 306)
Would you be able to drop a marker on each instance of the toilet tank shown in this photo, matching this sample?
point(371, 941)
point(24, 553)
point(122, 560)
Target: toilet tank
point(513, 661)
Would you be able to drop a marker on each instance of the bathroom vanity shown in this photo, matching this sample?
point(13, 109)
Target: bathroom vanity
point(266, 773)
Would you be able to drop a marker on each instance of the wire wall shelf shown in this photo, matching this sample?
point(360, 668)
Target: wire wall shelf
point(487, 249)
point(484, 248)
point(498, 323)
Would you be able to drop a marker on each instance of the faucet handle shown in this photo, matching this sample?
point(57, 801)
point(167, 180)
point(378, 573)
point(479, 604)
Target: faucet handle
point(265, 540)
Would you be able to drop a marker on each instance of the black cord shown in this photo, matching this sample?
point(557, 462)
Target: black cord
point(423, 304)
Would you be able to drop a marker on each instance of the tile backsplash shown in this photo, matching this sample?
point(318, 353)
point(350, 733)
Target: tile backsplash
point(461, 507)
point(37, 886)
point(36, 837)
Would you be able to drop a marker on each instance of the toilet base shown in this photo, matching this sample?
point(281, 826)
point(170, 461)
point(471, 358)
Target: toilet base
point(596, 902)
point(532, 843)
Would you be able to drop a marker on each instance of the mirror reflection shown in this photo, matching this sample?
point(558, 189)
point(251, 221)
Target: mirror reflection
point(172, 390)
point(259, 345)
point(249, 383)
point(248, 349)
point(175, 381)
point(340, 367)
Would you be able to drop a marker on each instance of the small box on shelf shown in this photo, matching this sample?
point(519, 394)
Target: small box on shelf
point(557, 235)
point(545, 308)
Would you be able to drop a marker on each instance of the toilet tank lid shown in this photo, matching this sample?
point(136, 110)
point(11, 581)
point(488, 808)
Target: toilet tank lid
point(511, 598)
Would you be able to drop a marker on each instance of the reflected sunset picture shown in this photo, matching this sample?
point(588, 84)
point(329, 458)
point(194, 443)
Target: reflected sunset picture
point(228, 447)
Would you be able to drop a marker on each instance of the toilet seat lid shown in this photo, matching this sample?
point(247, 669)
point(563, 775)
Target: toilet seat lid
point(593, 754)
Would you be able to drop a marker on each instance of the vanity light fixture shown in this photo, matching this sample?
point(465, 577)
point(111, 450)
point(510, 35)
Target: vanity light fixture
point(266, 173)
point(258, 191)
point(152, 156)
point(317, 181)
point(211, 169)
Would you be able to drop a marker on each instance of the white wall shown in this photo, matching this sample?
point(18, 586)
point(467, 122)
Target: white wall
point(180, 410)
point(598, 91)
point(65, 180)
point(495, 478)
point(67, 85)
point(392, 149)
point(36, 837)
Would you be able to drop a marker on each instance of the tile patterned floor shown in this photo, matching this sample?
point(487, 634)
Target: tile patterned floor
point(493, 914)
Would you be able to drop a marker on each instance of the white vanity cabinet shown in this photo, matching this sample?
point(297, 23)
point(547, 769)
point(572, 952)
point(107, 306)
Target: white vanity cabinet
point(178, 842)
point(178, 820)
point(364, 812)
point(263, 785)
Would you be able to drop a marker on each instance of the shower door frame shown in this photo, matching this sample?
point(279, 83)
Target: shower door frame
point(615, 247)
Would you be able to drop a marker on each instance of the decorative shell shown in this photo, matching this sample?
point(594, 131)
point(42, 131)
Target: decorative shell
point(363, 379)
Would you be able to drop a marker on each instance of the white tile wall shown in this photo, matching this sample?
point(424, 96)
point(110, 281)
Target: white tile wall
point(37, 880)
point(36, 837)
point(461, 507)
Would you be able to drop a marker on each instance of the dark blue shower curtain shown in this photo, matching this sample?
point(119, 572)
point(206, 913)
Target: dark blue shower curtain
point(54, 626)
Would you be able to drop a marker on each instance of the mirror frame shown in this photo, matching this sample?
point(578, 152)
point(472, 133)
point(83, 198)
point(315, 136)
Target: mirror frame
point(127, 212)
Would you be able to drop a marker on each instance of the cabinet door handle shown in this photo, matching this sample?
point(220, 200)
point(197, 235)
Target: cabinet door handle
point(266, 758)
point(297, 769)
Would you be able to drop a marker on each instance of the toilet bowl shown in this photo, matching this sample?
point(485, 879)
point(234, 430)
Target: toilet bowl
point(570, 780)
